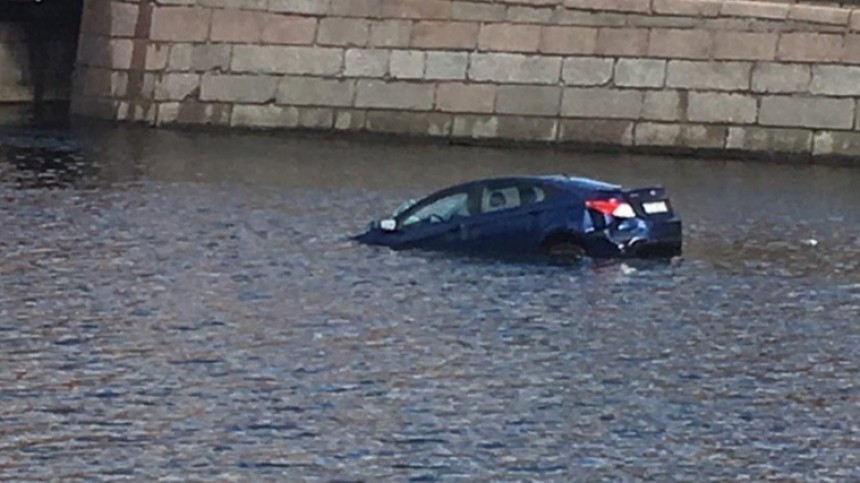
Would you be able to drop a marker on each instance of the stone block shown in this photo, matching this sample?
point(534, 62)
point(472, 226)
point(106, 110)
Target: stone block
point(316, 118)
point(636, 6)
point(721, 76)
point(640, 73)
point(314, 91)
point(691, 8)
point(836, 143)
point(525, 14)
point(264, 116)
point(206, 57)
point(680, 44)
point(304, 7)
point(589, 19)
point(350, 120)
point(343, 31)
point(568, 40)
point(819, 14)
point(623, 42)
point(157, 56)
point(94, 52)
point(366, 63)
point(446, 65)
point(240, 26)
point(407, 64)
point(123, 19)
point(809, 47)
point(417, 9)
point(194, 112)
point(236, 4)
point(662, 21)
point(390, 33)
point(745, 8)
point(478, 12)
point(854, 22)
point(662, 105)
point(176, 87)
point(355, 8)
point(180, 57)
point(415, 123)
point(615, 133)
point(654, 134)
point(528, 100)
point(703, 136)
point(286, 60)
point(394, 95)
point(445, 35)
point(781, 78)
point(587, 71)
point(515, 68)
point(721, 108)
point(238, 88)
point(851, 53)
point(475, 127)
point(770, 139)
point(744, 46)
point(180, 24)
point(521, 128)
point(288, 29)
point(835, 80)
point(508, 37)
point(598, 102)
point(460, 97)
point(806, 112)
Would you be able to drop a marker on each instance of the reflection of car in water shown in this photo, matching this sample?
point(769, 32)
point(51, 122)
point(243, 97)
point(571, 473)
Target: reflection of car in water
point(556, 215)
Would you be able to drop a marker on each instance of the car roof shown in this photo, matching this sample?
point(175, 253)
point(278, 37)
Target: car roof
point(558, 180)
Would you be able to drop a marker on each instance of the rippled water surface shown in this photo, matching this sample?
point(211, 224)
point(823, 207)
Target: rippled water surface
point(188, 306)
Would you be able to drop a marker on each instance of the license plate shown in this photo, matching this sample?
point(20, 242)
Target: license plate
point(654, 207)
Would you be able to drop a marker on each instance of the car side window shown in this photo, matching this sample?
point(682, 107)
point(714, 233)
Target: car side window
point(505, 197)
point(440, 210)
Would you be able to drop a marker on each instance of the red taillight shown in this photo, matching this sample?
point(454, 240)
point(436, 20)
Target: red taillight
point(612, 207)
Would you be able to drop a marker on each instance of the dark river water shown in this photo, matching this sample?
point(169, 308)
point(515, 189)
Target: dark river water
point(187, 306)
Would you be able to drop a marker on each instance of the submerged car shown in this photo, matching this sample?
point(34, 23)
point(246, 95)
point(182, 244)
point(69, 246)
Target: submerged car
point(553, 215)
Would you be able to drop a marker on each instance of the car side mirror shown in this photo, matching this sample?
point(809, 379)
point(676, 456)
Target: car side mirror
point(388, 224)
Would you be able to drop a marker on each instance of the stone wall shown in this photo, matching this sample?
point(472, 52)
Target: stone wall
point(697, 74)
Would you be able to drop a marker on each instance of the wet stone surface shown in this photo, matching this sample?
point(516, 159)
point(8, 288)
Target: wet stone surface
point(188, 306)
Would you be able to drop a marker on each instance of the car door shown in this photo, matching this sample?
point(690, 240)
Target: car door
point(435, 223)
point(507, 217)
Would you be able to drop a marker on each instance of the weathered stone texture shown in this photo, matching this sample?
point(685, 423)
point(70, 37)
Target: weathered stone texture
point(445, 35)
point(810, 47)
point(394, 95)
point(770, 139)
point(596, 131)
point(529, 100)
point(640, 72)
point(288, 29)
point(417, 123)
point(180, 24)
point(781, 78)
point(662, 106)
point(834, 80)
point(446, 65)
point(809, 112)
point(176, 86)
point(723, 76)
point(343, 31)
point(722, 108)
point(264, 116)
point(310, 91)
point(836, 143)
point(460, 97)
point(679, 44)
point(366, 63)
point(256, 59)
point(238, 88)
point(654, 134)
point(601, 103)
point(509, 38)
point(515, 68)
point(744, 46)
point(407, 64)
point(568, 40)
point(390, 33)
point(627, 42)
point(587, 71)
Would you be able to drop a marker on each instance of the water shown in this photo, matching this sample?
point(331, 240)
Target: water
point(188, 306)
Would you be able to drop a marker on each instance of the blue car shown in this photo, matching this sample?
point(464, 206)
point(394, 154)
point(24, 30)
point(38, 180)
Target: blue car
point(552, 215)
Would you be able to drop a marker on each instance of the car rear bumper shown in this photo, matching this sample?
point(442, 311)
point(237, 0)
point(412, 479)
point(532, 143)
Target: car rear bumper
point(664, 239)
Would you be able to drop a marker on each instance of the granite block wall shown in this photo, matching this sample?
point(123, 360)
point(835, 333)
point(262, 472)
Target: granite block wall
point(697, 74)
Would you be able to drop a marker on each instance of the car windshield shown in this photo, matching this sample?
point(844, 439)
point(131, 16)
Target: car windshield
point(403, 207)
point(440, 210)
